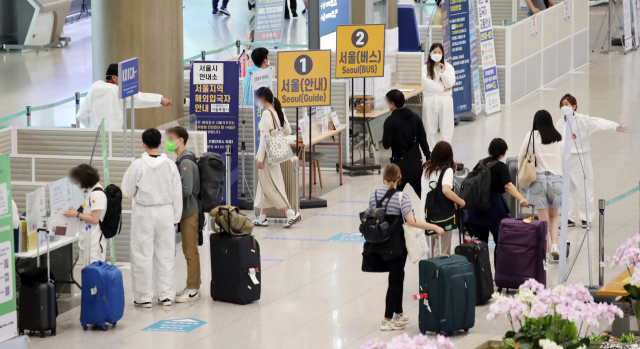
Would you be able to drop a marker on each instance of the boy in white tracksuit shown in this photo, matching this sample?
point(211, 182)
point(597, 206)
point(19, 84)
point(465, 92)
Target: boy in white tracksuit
point(437, 107)
point(154, 184)
point(582, 128)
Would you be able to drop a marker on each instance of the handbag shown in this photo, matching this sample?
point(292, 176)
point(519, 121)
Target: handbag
point(276, 145)
point(527, 168)
point(415, 239)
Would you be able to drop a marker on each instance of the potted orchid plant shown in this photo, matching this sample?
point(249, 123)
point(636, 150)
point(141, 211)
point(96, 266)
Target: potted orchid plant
point(548, 319)
point(405, 342)
point(628, 254)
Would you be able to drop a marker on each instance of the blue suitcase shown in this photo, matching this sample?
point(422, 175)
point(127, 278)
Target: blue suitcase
point(102, 294)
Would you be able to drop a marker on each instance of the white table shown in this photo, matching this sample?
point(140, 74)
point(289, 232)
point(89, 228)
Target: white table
point(63, 256)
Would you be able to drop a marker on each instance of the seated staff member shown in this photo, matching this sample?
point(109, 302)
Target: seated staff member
point(403, 130)
point(480, 224)
point(94, 208)
point(438, 77)
point(582, 127)
point(393, 252)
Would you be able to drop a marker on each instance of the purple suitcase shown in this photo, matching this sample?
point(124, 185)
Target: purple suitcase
point(521, 253)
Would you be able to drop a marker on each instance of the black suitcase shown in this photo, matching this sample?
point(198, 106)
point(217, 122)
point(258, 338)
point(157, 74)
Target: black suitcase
point(477, 252)
point(38, 307)
point(235, 268)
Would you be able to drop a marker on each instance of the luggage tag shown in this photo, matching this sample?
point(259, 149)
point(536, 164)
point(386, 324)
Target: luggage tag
point(527, 220)
point(424, 296)
point(252, 275)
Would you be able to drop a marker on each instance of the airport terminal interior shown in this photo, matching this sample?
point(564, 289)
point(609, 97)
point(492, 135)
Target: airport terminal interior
point(314, 293)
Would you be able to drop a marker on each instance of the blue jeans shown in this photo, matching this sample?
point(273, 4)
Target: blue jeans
point(545, 191)
point(215, 4)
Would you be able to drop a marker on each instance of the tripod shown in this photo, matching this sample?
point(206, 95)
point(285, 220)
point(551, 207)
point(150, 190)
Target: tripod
point(84, 9)
point(612, 7)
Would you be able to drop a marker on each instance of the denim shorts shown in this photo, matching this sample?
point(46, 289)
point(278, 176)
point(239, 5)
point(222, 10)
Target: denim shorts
point(545, 191)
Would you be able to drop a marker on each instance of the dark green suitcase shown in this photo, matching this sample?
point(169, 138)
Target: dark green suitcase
point(450, 286)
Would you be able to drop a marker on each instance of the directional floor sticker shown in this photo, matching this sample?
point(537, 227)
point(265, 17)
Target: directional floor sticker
point(348, 237)
point(175, 325)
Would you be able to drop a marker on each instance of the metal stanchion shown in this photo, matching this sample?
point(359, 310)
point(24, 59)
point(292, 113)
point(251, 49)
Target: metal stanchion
point(203, 55)
point(77, 102)
point(133, 127)
point(28, 115)
point(601, 242)
point(227, 151)
point(124, 127)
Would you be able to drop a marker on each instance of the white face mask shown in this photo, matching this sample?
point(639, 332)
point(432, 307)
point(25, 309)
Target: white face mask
point(260, 104)
point(436, 57)
point(268, 62)
point(566, 110)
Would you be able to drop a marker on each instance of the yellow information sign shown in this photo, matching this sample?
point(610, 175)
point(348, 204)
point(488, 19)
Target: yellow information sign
point(304, 78)
point(360, 51)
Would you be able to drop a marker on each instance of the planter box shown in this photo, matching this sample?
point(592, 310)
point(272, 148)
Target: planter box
point(490, 345)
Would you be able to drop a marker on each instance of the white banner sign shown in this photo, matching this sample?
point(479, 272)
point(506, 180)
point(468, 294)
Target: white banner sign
point(534, 25)
point(487, 49)
point(566, 12)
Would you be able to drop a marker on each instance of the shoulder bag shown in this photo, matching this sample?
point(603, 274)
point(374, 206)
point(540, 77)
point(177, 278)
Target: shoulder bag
point(276, 145)
point(415, 239)
point(527, 168)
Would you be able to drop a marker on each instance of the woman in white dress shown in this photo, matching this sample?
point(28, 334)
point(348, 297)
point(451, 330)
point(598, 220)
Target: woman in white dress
point(271, 191)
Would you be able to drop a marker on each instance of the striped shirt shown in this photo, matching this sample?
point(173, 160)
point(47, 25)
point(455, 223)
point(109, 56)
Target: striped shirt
point(394, 203)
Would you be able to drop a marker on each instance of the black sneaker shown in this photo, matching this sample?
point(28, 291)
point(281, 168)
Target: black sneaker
point(286, 16)
point(142, 305)
point(215, 12)
point(166, 302)
point(571, 224)
point(224, 11)
point(294, 14)
point(584, 224)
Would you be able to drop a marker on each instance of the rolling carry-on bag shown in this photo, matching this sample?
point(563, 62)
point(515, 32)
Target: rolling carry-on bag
point(521, 253)
point(235, 268)
point(447, 294)
point(102, 293)
point(38, 307)
point(477, 253)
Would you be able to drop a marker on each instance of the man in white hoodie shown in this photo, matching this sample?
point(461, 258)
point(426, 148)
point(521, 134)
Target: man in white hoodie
point(103, 102)
point(154, 184)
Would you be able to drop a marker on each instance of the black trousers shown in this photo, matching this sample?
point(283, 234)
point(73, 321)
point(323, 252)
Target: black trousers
point(416, 184)
point(482, 233)
point(396, 286)
point(294, 6)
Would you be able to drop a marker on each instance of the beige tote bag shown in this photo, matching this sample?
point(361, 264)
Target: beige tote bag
point(527, 168)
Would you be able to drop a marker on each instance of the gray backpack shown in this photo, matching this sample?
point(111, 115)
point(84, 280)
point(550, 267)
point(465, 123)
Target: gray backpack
point(212, 172)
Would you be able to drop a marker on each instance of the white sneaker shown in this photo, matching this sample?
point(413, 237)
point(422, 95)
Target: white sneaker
point(293, 220)
point(401, 319)
point(180, 293)
point(391, 325)
point(256, 222)
point(189, 296)
point(554, 252)
point(165, 302)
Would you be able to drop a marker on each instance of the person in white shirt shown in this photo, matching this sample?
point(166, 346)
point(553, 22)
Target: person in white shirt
point(545, 193)
point(103, 102)
point(581, 169)
point(440, 168)
point(94, 209)
point(155, 186)
point(438, 77)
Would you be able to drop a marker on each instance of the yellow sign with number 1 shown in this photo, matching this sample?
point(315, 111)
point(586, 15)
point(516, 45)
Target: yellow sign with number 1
point(360, 51)
point(304, 78)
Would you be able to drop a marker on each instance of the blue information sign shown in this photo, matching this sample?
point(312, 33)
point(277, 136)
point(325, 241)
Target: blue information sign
point(456, 42)
point(128, 78)
point(332, 14)
point(214, 101)
point(348, 237)
point(176, 325)
point(269, 20)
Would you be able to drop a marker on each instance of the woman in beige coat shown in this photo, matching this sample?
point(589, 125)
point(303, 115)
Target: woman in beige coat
point(271, 191)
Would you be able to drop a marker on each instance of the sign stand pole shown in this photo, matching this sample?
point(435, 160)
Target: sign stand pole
point(310, 155)
point(133, 127)
point(353, 106)
point(297, 135)
point(364, 121)
point(124, 127)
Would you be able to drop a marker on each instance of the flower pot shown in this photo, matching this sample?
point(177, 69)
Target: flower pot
point(491, 345)
point(635, 303)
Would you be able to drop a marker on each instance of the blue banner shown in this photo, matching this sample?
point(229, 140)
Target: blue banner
point(332, 14)
point(456, 42)
point(214, 102)
point(128, 78)
point(269, 20)
point(473, 48)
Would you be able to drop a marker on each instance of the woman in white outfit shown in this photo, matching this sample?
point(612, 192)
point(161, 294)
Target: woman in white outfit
point(582, 128)
point(438, 77)
point(271, 191)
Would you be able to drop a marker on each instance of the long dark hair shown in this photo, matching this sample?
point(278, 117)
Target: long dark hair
point(441, 158)
point(543, 123)
point(430, 63)
point(266, 93)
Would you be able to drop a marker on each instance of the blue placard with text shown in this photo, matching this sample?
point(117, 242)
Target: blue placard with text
point(332, 14)
point(128, 78)
point(456, 41)
point(176, 325)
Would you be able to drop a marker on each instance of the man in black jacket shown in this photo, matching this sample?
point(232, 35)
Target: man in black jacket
point(403, 133)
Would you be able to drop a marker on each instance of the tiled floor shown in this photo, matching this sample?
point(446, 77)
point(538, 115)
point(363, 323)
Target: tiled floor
point(313, 292)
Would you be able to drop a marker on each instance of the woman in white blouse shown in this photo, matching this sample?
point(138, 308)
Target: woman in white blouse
point(438, 77)
point(545, 193)
point(270, 191)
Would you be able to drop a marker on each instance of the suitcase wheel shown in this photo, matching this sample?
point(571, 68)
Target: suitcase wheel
point(41, 333)
point(53, 331)
point(84, 327)
point(499, 289)
point(466, 330)
point(448, 334)
point(103, 327)
point(21, 331)
point(114, 324)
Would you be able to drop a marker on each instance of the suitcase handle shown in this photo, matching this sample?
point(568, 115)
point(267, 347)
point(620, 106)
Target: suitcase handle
point(38, 252)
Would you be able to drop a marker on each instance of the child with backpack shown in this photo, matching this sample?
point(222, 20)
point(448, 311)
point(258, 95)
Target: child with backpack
point(438, 199)
point(93, 210)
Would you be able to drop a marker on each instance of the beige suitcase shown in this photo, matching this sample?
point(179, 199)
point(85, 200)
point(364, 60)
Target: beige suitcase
point(290, 172)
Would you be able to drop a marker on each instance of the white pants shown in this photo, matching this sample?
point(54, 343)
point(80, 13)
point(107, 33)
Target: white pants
point(577, 209)
point(437, 113)
point(98, 246)
point(153, 248)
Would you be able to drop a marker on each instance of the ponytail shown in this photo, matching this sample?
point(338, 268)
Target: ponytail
point(278, 107)
point(391, 176)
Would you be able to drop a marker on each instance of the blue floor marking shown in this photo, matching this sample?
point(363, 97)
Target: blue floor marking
point(348, 237)
point(176, 325)
point(356, 202)
point(336, 215)
point(271, 260)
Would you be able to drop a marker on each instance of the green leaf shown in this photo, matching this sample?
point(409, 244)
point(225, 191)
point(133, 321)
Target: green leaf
point(520, 337)
point(550, 335)
point(509, 334)
point(525, 346)
point(634, 291)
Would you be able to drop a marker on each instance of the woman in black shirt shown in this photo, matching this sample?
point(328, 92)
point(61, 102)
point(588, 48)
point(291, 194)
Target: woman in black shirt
point(480, 224)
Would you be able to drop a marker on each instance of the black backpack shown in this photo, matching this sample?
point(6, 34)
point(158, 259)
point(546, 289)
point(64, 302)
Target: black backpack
point(212, 171)
point(201, 219)
point(374, 228)
point(475, 190)
point(112, 222)
point(439, 210)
